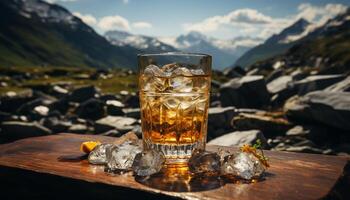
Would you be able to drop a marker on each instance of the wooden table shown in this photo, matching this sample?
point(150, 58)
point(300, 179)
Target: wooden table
point(32, 167)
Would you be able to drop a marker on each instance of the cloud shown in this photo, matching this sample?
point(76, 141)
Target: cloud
point(141, 25)
point(319, 14)
point(115, 22)
point(88, 19)
point(125, 1)
point(250, 22)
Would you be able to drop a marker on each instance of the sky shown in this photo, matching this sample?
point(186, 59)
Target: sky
point(222, 19)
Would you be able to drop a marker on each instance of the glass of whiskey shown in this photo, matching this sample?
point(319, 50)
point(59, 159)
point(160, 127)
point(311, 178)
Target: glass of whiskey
point(174, 98)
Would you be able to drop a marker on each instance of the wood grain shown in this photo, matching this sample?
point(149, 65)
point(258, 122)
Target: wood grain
point(291, 175)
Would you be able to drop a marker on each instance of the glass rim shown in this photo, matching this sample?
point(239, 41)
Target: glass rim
point(174, 53)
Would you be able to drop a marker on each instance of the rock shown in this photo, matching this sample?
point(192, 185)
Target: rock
point(304, 149)
point(279, 84)
point(132, 112)
point(62, 105)
point(55, 124)
point(28, 107)
point(132, 101)
point(316, 82)
point(114, 107)
point(59, 91)
point(78, 128)
point(111, 133)
point(238, 138)
point(270, 126)
point(83, 93)
point(342, 86)
point(235, 72)
point(330, 108)
point(247, 92)
point(4, 116)
point(219, 121)
point(298, 74)
point(215, 84)
point(106, 97)
point(91, 109)
point(297, 131)
point(274, 75)
point(122, 124)
point(12, 101)
point(14, 130)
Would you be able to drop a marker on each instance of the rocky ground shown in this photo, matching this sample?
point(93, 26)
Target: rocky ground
point(299, 109)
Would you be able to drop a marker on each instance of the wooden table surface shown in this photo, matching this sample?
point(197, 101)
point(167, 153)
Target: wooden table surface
point(291, 175)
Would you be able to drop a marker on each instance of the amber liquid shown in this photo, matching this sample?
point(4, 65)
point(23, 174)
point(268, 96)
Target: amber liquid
point(175, 122)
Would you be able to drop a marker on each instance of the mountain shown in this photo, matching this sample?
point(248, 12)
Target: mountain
point(275, 45)
point(34, 32)
point(223, 51)
point(141, 42)
point(326, 48)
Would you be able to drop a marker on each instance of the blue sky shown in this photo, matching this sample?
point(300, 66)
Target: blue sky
point(221, 19)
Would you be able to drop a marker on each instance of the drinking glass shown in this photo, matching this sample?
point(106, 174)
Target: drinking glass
point(174, 99)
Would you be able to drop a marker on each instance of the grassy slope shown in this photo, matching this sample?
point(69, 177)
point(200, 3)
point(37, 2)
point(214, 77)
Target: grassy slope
point(30, 42)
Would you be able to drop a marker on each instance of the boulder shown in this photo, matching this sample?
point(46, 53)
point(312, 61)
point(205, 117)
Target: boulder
point(238, 138)
point(79, 128)
point(329, 108)
point(91, 109)
point(83, 93)
point(234, 72)
point(341, 86)
point(279, 84)
point(131, 101)
point(219, 121)
point(247, 92)
point(122, 124)
point(12, 100)
point(269, 125)
point(13, 130)
point(132, 112)
point(316, 82)
point(115, 107)
point(55, 124)
point(274, 75)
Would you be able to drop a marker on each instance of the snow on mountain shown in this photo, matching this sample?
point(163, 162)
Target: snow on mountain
point(45, 11)
point(223, 51)
point(145, 43)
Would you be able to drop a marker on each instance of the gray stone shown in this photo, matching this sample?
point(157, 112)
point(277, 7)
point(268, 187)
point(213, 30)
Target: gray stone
point(219, 121)
point(304, 149)
point(132, 112)
point(91, 109)
point(238, 138)
point(114, 107)
point(297, 131)
point(12, 100)
point(279, 84)
point(83, 93)
point(270, 126)
point(342, 86)
point(247, 92)
point(316, 82)
point(330, 108)
point(14, 130)
point(122, 124)
point(78, 128)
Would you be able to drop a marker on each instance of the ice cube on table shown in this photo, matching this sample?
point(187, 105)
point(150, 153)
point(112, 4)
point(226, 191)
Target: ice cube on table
point(120, 157)
point(203, 161)
point(243, 165)
point(148, 162)
point(98, 155)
